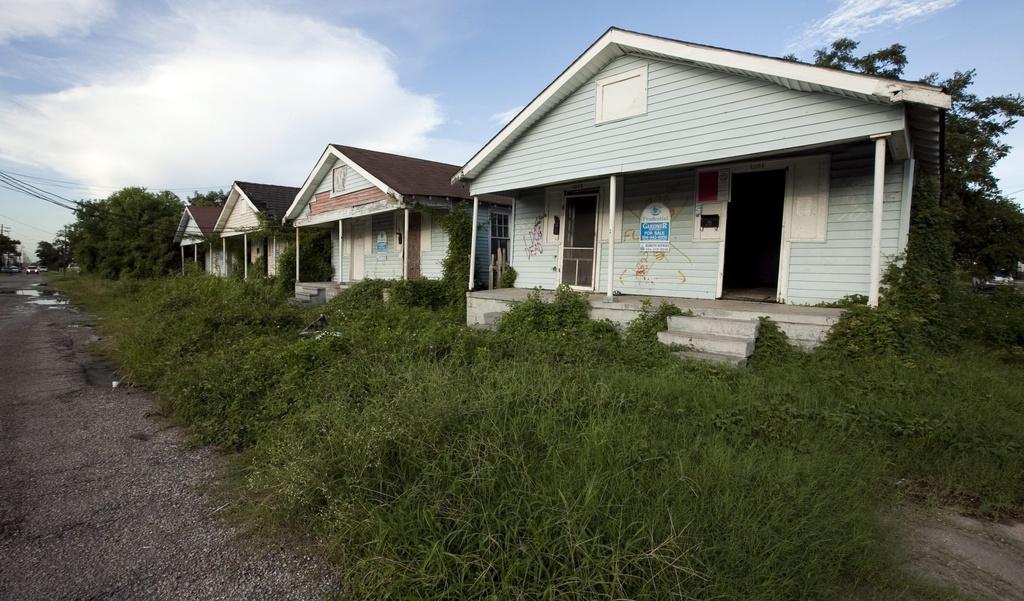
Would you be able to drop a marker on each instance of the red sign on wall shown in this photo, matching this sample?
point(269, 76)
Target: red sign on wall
point(713, 186)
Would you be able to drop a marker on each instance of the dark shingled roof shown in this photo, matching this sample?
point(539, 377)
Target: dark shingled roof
point(205, 218)
point(414, 177)
point(269, 199)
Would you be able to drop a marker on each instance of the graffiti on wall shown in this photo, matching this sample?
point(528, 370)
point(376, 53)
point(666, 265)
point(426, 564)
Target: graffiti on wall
point(535, 239)
point(650, 268)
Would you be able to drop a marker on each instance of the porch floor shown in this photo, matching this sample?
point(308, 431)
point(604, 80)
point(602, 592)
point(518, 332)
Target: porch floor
point(484, 307)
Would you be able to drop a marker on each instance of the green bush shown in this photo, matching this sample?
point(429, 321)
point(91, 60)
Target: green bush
point(508, 278)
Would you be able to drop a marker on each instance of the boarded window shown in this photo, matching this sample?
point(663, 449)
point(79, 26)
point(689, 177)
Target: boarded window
point(623, 95)
point(808, 218)
point(338, 179)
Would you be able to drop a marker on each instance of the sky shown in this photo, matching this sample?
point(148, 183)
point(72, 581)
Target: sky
point(191, 95)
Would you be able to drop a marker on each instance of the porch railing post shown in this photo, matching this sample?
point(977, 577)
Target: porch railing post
point(341, 251)
point(613, 192)
point(472, 243)
point(877, 200)
point(245, 256)
point(223, 256)
point(296, 254)
point(182, 247)
point(405, 246)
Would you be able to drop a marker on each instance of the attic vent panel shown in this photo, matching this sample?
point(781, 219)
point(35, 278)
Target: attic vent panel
point(622, 95)
point(338, 179)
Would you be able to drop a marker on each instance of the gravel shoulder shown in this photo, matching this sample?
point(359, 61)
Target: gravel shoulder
point(102, 498)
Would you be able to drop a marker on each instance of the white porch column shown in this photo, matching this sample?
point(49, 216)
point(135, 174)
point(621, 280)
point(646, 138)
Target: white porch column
point(472, 243)
point(182, 247)
point(223, 256)
point(341, 252)
point(296, 255)
point(613, 193)
point(195, 253)
point(877, 198)
point(405, 246)
point(245, 256)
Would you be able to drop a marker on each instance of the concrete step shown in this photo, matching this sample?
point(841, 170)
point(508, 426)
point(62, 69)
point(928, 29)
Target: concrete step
point(817, 318)
point(695, 324)
point(734, 360)
point(710, 343)
point(803, 331)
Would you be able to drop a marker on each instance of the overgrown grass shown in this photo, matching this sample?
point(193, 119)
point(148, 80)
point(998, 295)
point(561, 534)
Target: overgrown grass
point(556, 458)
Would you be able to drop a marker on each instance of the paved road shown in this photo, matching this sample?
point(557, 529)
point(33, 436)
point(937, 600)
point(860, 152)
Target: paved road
point(100, 498)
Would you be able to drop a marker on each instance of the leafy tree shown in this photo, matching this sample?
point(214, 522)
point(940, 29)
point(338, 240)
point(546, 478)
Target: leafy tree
point(47, 254)
point(8, 245)
point(213, 198)
point(56, 254)
point(130, 233)
point(988, 227)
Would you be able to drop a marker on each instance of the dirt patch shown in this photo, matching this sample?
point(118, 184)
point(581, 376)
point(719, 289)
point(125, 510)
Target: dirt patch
point(983, 559)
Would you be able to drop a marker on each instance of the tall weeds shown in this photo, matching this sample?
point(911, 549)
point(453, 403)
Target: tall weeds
point(556, 458)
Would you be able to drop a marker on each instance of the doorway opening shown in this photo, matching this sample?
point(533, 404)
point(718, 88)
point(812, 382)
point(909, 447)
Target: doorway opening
point(579, 239)
point(753, 236)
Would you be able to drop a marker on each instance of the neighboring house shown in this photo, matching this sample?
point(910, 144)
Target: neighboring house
point(378, 206)
point(657, 167)
point(245, 244)
point(196, 234)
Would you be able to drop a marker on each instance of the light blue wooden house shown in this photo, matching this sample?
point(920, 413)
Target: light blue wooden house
point(656, 167)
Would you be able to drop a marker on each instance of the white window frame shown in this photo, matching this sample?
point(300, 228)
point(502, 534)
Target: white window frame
point(334, 180)
point(640, 72)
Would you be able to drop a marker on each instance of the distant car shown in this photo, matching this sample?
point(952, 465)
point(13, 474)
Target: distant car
point(32, 269)
point(43, 269)
point(999, 278)
point(8, 269)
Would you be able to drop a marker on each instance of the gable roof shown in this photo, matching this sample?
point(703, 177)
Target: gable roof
point(268, 198)
point(396, 175)
point(793, 75)
point(205, 217)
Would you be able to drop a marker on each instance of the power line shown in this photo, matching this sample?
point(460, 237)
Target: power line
point(74, 185)
point(13, 183)
point(28, 225)
point(9, 177)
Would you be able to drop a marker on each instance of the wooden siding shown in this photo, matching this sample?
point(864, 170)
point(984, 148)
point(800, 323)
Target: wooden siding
point(241, 219)
point(430, 260)
point(353, 181)
point(840, 266)
point(483, 244)
point(694, 115)
point(323, 201)
point(818, 271)
point(535, 262)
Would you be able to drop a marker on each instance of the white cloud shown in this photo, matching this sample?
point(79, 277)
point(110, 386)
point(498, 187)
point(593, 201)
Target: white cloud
point(505, 116)
point(50, 18)
point(250, 94)
point(854, 17)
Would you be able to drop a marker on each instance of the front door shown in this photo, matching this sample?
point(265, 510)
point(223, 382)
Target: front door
point(753, 236)
point(579, 240)
point(359, 232)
